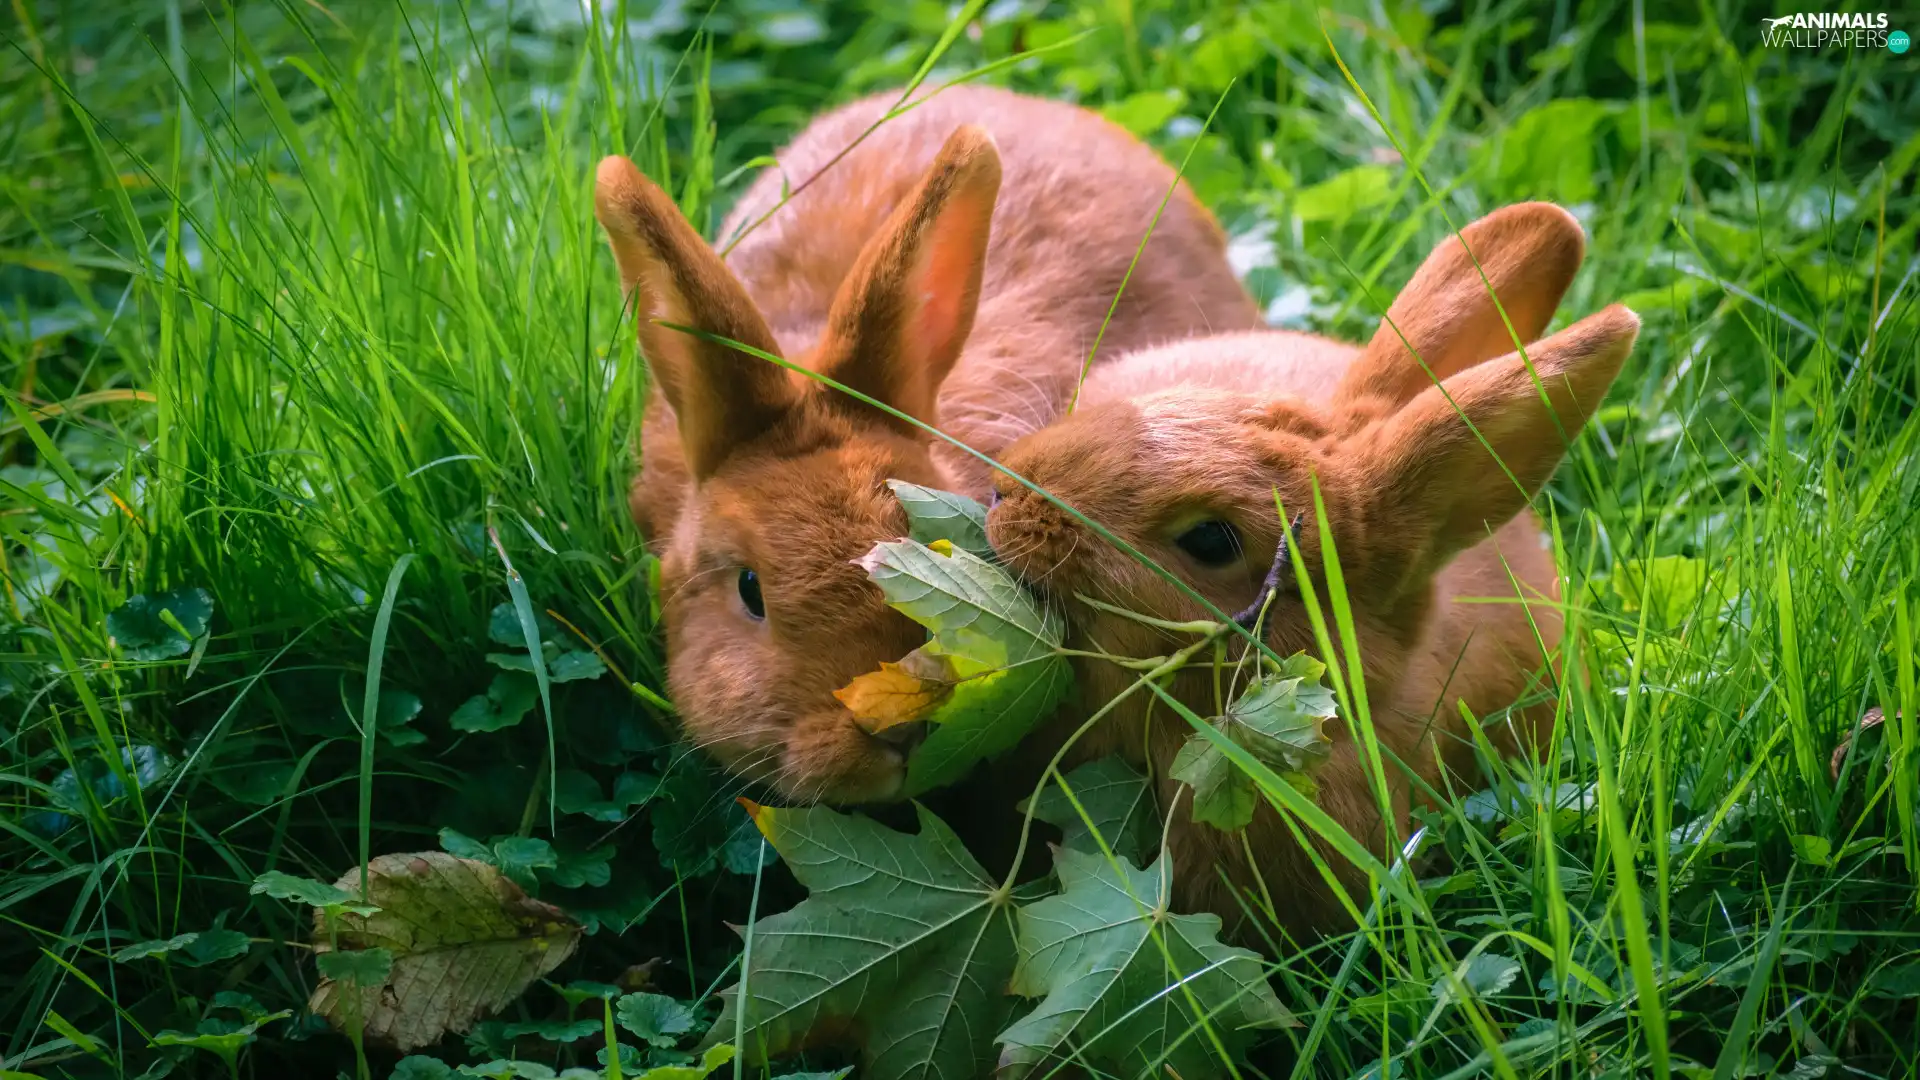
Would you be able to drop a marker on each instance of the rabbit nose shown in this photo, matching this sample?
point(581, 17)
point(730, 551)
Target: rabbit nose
point(904, 737)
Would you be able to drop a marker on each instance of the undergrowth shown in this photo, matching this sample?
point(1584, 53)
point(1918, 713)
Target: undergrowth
point(319, 404)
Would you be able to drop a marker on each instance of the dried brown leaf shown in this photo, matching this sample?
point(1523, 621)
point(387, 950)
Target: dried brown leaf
point(1873, 718)
point(465, 941)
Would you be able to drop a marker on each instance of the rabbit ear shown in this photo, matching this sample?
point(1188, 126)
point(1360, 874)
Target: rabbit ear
point(1446, 318)
point(720, 396)
point(1439, 485)
point(902, 315)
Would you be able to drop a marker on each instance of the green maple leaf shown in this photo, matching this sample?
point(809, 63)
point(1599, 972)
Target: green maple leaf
point(982, 619)
point(989, 639)
point(1222, 794)
point(1280, 719)
point(904, 946)
point(1117, 802)
point(1125, 983)
point(933, 514)
point(986, 717)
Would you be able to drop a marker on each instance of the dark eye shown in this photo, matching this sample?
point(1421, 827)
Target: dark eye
point(750, 594)
point(1211, 543)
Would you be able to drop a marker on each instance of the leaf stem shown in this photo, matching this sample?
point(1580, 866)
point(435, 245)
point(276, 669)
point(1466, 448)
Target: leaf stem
point(1129, 662)
point(1193, 626)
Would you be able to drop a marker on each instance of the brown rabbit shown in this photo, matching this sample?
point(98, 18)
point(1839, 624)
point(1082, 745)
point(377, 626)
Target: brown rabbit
point(1180, 450)
point(957, 265)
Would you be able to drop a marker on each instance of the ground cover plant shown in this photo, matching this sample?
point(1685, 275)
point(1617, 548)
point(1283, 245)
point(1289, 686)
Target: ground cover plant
point(322, 607)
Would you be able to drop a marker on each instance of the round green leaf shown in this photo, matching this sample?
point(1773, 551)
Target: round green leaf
point(656, 1018)
point(140, 631)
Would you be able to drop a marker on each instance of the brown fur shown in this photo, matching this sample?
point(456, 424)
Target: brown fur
point(1422, 517)
point(957, 266)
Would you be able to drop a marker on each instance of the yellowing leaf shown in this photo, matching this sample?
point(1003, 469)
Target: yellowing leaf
point(893, 695)
point(998, 645)
point(465, 941)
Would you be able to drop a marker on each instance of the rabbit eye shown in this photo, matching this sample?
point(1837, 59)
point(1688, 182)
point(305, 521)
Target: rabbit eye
point(1211, 543)
point(750, 594)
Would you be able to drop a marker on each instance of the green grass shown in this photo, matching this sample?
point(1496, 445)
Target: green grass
point(295, 294)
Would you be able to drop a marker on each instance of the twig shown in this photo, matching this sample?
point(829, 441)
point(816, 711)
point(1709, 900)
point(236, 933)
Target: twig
point(1271, 585)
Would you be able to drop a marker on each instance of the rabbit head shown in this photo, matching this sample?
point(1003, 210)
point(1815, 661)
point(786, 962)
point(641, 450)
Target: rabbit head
point(1423, 443)
point(761, 486)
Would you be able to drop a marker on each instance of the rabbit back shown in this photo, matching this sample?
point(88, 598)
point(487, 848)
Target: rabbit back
point(1077, 194)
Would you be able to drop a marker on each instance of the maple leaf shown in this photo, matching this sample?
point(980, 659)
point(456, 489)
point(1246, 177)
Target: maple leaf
point(898, 693)
point(902, 949)
point(1222, 794)
point(1118, 804)
point(982, 619)
point(1280, 719)
point(463, 941)
point(1127, 984)
point(995, 652)
point(933, 514)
